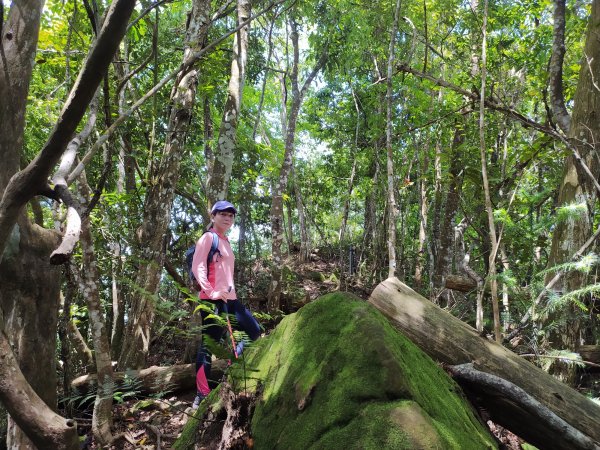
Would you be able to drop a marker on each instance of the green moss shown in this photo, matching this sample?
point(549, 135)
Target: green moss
point(337, 373)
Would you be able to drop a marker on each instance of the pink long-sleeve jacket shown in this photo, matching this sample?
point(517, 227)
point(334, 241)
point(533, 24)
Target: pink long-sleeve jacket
point(219, 271)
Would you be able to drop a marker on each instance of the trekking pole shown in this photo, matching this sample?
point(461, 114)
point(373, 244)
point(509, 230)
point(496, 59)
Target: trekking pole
point(229, 326)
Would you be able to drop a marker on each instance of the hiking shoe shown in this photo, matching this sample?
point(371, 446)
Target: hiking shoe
point(197, 400)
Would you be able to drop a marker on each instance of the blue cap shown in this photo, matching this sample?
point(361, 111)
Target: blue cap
point(222, 205)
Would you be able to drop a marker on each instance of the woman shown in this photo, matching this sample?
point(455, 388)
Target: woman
point(215, 278)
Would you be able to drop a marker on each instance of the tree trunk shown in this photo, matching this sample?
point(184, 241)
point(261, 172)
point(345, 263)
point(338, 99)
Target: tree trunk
point(102, 416)
point(346, 210)
point(512, 407)
point(218, 183)
point(444, 232)
point(391, 200)
point(304, 239)
point(449, 340)
point(29, 296)
point(491, 277)
point(559, 110)
point(29, 411)
point(423, 217)
point(159, 199)
point(274, 295)
point(577, 187)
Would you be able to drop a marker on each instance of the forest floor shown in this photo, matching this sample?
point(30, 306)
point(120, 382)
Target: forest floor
point(154, 423)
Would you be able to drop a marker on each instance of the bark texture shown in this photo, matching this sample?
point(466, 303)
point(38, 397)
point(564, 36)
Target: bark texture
point(102, 417)
point(218, 184)
point(577, 186)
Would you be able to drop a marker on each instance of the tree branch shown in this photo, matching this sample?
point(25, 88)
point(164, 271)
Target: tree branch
point(32, 180)
point(525, 121)
point(193, 58)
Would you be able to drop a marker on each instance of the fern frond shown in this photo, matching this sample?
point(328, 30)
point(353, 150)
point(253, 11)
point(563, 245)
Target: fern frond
point(574, 297)
point(571, 211)
point(566, 357)
point(585, 264)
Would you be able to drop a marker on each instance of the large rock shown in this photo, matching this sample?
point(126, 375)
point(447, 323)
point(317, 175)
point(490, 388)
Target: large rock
point(336, 375)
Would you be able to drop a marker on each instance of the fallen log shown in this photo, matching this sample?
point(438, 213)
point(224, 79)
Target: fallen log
point(153, 379)
point(590, 353)
point(460, 283)
point(449, 340)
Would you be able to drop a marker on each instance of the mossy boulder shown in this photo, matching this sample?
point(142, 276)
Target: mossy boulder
point(336, 375)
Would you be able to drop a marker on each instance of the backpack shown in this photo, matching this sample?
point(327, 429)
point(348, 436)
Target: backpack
point(189, 258)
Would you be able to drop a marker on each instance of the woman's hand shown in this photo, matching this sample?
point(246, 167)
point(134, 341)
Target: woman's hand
point(220, 295)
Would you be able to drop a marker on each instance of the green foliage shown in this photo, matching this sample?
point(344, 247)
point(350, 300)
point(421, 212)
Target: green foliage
point(341, 128)
point(566, 357)
point(571, 211)
point(129, 387)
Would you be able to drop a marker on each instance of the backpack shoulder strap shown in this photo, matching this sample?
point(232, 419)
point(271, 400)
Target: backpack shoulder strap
point(214, 248)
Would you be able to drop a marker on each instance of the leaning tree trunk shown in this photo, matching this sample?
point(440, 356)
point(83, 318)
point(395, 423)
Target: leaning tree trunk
point(221, 165)
point(451, 341)
point(159, 199)
point(577, 187)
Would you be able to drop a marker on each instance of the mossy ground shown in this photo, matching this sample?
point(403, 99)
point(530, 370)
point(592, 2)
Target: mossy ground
point(337, 375)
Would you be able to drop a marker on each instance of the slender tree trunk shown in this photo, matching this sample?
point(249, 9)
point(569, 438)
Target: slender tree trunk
point(159, 199)
point(274, 296)
point(218, 183)
point(444, 232)
point(304, 239)
point(344, 225)
point(424, 212)
point(370, 214)
point(560, 113)
point(391, 200)
point(102, 417)
point(486, 187)
point(346, 210)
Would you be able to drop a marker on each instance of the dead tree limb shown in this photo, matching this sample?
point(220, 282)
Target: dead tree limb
point(518, 411)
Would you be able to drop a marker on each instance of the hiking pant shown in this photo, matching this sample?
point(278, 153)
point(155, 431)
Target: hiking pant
point(244, 321)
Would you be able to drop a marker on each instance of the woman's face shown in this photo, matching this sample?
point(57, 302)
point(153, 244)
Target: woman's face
point(223, 220)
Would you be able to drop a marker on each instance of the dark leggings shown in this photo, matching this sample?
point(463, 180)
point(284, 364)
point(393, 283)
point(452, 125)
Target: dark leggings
point(244, 321)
